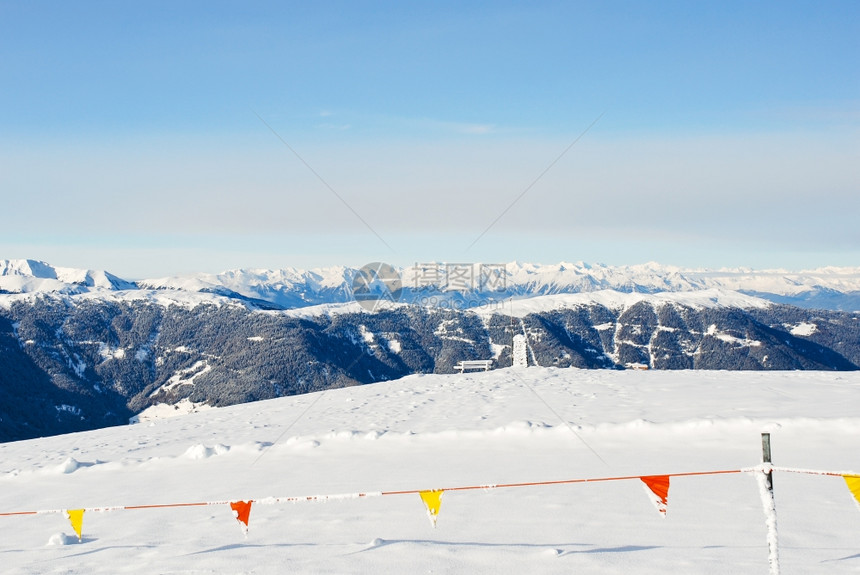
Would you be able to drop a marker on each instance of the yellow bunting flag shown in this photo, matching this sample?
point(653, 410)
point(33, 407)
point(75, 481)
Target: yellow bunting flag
point(76, 516)
point(433, 501)
point(657, 487)
point(853, 482)
point(241, 511)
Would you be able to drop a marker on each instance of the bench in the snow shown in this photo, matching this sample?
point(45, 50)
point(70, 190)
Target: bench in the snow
point(471, 364)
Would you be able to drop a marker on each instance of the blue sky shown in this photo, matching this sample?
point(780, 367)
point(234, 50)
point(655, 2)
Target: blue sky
point(158, 138)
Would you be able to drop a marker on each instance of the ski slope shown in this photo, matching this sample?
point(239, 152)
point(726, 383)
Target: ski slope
point(443, 431)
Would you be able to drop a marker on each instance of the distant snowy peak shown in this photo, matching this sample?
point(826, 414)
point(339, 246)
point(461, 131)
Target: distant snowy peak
point(524, 279)
point(315, 279)
point(285, 288)
point(290, 288)
point(653, 277)
point(27, 268)
point(825, 288)
point(24, 276)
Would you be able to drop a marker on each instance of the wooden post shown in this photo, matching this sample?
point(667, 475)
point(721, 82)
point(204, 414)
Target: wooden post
point(765, 458)
point(769, 503)
point(511, 301)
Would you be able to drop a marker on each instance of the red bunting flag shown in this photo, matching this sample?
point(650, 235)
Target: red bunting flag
point(657, 487)
point(242, 511)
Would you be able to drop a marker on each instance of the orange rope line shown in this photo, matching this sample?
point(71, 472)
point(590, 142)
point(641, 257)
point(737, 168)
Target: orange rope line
point(295, 499)
point(561, 482)
point(163, 505)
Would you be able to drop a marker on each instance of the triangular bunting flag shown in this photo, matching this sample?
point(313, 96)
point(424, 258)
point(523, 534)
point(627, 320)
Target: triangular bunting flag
point(853, 482)
point(241, 511)
point(76, 516)
point(657, 487)
point(433, 501)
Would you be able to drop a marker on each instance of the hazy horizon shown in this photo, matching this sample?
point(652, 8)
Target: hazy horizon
point(165, 139)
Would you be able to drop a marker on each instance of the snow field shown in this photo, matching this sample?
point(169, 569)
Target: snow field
point(432, 432)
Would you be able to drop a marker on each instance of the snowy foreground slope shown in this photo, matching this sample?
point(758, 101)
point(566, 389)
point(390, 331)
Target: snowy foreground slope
point(442, 431)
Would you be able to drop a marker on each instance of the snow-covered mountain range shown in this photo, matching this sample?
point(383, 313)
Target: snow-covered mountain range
point(463, 286)
point(23, 276)
point(82, 349)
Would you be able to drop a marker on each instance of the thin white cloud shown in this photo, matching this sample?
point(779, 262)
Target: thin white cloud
point(422, 126)
point(839, 113)
point(331, 126)
point(477, 129)
point(452, 127)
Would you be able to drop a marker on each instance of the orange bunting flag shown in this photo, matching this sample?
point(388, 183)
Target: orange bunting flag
point(241, 511)
point(853, 482)
point(76, 516)
point(433, 501)
point(657, 487)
